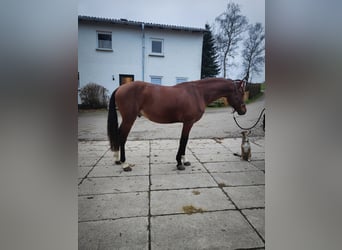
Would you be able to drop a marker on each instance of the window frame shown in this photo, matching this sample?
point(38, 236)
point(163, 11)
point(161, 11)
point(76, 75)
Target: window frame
point(180, 79)
point(161, 54)
point(156, 77)
point(99, 32)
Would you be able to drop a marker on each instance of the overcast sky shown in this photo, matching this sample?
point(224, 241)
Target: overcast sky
point(190, 13)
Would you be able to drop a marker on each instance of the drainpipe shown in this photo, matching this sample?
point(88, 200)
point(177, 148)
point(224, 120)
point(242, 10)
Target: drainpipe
point(143, 51)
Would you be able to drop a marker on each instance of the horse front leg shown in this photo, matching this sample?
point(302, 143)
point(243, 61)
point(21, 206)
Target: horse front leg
point(181, 161)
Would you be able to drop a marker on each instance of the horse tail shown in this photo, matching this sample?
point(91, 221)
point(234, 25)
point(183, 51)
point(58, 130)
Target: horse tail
point(112, 125)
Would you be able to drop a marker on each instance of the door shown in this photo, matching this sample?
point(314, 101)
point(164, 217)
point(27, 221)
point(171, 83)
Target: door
point(126, 79)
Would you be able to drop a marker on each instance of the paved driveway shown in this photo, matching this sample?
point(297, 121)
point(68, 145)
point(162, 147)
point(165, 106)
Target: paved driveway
point(216, 203)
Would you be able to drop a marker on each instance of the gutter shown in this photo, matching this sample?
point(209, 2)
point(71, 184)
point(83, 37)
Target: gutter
point(143, 51)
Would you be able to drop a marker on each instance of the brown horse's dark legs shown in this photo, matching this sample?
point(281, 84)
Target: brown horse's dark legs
point(181, 152)
point(125, 127)
point(182, 146)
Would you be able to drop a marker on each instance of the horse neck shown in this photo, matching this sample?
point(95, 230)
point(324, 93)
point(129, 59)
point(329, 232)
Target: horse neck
point(213, 90)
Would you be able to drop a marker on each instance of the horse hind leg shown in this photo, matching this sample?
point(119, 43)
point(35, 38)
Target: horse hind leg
point(124, 130)
point(181, 160)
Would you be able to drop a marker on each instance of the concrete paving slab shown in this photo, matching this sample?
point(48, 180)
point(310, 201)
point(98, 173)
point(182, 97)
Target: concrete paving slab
point(137, 160)
point(82, 171)
point(178, 181)
point(128, 233)
point(117, 170)
point(240, 178)
point(164, 144)
point(232, 142)
point(214, 230)
point(257, 218)
point(257, 156)
point(171, 168)
point(173, 201)
point(227, 156)
point(112, 206)
point(213, 151)
point(87, 161)
point(169, 158)
point(259, 164)
point(230, 166)
point(90, 153)
point(103, 185)
point(247, 197)
point(203, 143)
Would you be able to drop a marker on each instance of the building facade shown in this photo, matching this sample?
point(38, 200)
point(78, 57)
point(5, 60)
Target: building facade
point(112, 52)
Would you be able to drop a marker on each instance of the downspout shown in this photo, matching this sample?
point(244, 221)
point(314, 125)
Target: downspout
point(143, 51)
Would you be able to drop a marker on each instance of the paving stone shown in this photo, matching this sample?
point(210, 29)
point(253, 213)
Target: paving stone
point(164, 144)
point(209, 151)
point(88, 161)
point(257, 218)
point(259, 164)
point(112, 206)
point(257, 156)
point(137, 160)
point(104, 185)
point(232, 143)
point(216, 157)
point(256, 148)
point(173, 201)
point(203, 143)
point(248, 196)
point(127, 233)
point(171, 168)
point(214, 230)
point(82, 171)
point(182, 181)
point(230, 166)
point(169, 158)
point(240, 178)
point(117, 170)
point(85, 154)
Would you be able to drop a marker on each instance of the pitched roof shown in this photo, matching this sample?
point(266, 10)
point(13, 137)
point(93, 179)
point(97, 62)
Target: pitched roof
point(137, 23)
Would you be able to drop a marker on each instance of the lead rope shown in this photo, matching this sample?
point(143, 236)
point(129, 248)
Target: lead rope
point(262, 111)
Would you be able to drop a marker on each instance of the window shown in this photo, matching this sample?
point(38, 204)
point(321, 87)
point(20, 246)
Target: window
point(157, 47)
point(156, 79)
point(104, 41)
point(181, 79)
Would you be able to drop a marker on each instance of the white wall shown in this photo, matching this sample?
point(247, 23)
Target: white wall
point(182, 55)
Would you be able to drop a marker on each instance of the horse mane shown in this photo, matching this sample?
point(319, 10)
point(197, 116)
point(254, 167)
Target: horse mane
point(205, 81)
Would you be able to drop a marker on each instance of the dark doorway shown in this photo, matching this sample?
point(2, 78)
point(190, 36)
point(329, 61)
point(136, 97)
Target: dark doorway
point(126, 79)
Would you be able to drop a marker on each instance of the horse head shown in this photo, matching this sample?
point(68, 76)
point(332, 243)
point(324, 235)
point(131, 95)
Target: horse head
point(236, 97)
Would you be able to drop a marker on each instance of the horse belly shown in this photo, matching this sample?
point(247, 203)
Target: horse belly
point(160, 115)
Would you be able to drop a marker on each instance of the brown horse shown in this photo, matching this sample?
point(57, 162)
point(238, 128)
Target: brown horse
point(184, 102)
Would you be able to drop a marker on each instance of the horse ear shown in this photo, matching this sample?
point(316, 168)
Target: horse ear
point(242, 85)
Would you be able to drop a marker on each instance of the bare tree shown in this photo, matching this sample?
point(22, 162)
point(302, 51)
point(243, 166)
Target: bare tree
point(253, 54)
point(231, 24)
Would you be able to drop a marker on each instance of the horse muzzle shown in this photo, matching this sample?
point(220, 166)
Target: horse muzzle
point(242, 109)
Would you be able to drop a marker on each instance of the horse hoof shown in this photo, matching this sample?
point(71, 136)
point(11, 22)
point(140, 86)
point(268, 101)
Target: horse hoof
point(127, 169)
point(180, 167)
point(118, 162)
point(187, 163)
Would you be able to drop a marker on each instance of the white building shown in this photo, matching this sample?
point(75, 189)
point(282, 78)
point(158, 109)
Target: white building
point(112, 52)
